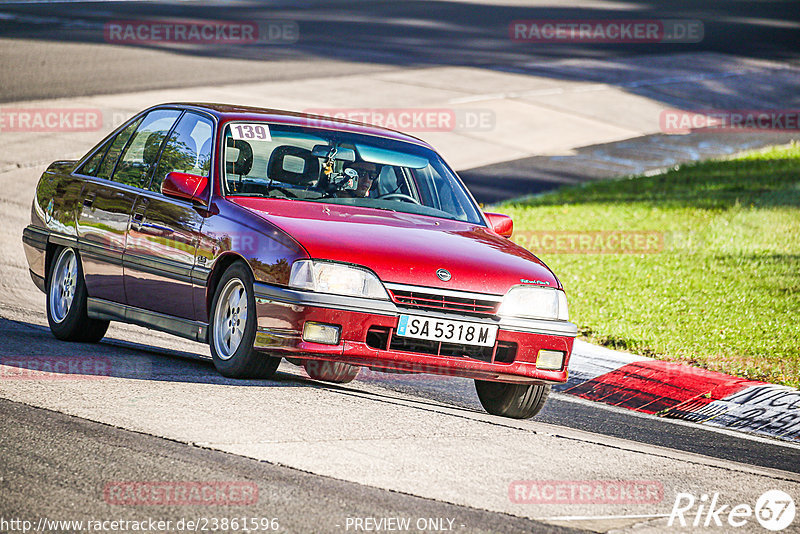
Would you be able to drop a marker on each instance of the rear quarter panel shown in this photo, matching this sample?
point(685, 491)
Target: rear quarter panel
point(55, 204)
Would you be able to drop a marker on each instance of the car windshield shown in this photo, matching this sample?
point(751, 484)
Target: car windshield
point(314, 165)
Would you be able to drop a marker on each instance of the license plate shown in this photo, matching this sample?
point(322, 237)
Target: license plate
point(460, 332)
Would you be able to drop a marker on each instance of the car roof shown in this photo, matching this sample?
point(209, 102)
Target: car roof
point(231, 112)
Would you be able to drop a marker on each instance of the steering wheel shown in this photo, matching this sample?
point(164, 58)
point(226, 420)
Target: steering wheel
point(400, 196)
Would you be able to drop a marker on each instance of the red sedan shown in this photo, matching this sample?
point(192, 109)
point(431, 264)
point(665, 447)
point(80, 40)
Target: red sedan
point(270, 234)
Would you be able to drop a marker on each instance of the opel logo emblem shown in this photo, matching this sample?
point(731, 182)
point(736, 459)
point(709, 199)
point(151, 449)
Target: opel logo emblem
point(444, 275)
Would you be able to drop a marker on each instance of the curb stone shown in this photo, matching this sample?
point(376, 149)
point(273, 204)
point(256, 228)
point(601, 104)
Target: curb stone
point(679, 391)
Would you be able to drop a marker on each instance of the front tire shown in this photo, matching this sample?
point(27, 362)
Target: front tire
point(232, 328)
point(518, 401)
point(336, 372)
point(66, 301)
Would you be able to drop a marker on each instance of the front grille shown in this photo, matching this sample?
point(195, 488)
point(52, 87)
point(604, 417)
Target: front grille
point(382, 338)
point(422, 300)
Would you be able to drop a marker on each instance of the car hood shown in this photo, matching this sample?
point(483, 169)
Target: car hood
point(405, 248)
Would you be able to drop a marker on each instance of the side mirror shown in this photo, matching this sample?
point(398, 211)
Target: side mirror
point(502, 224)
point(185, 186)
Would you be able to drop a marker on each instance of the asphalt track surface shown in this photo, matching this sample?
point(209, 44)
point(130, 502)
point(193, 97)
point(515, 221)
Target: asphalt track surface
point(53, 463)
point(56, 465)
point(58, 49)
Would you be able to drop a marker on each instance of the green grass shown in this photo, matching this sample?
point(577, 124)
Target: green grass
point(723, 294)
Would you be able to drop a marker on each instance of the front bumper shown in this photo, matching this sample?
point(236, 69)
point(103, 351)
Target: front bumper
point(367, 338)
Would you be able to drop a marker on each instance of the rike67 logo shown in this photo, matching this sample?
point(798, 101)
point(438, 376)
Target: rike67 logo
point(774, 510)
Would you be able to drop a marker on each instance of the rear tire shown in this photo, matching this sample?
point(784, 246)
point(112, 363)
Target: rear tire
point(518, 401)
point(232, 328)
point(66, 300)
point(336, 372)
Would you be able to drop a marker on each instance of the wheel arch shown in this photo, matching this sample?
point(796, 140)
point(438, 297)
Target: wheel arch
point(51, 252)
point(220, 266)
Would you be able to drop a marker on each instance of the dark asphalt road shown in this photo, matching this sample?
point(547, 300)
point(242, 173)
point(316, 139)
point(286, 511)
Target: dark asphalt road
point(56, 466)
point(567, 411)
point(561, 410)
point(530, 176)
point(58, 50)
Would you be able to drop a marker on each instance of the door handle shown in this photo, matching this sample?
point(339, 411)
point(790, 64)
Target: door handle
point(136, 220)
point(139, 211)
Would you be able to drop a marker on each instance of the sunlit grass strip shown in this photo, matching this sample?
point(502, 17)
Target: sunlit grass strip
point(723, 290)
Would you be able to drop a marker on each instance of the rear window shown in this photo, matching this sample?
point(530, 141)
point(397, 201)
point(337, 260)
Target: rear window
point(92, 165)
point(112, 154)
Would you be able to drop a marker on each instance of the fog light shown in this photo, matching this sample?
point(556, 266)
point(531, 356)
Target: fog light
point(327, 334)
point(550, 360)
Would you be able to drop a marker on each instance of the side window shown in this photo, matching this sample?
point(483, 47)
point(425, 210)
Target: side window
point(140, 155)
point(92, 165)
point(119, 142)
point(187, 150)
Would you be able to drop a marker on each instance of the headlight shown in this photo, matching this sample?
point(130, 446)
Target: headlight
point(535, 302)
point(336, 278)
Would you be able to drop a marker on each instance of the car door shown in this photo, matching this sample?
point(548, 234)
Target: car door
point(103, 218)
point(162, 241)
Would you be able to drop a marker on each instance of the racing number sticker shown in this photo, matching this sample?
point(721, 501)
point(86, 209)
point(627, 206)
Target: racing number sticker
point(259, 132)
